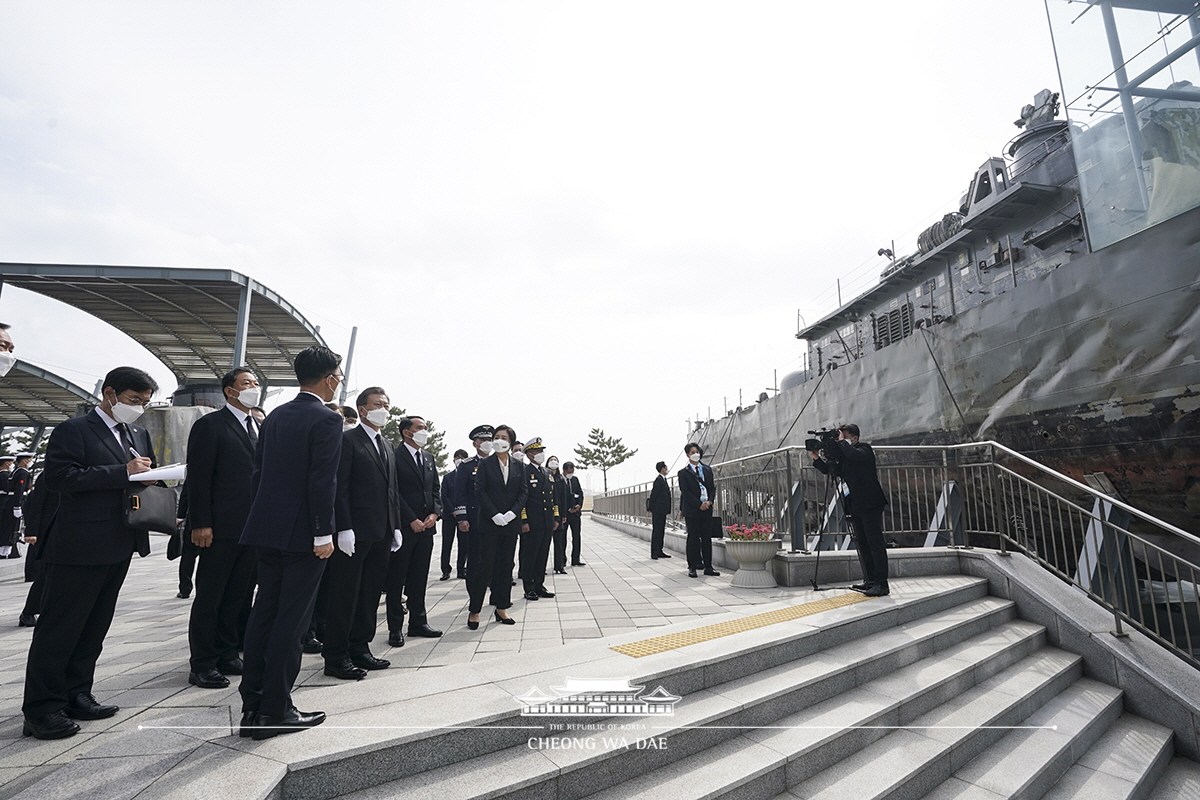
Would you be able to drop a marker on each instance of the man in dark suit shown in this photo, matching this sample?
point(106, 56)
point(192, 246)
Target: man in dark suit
point(539, 520)
point(449, 524)
point(220, 461)
point(563, 500)
point(291, 527)
point(38, 511)
point(864, 505)
point(89, 462)
point(697, 490)
point(368, 519)
point(573, 518)
point(420, 508)
point(660, 507)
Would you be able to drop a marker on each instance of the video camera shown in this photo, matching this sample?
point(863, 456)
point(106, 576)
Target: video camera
point(825, 444)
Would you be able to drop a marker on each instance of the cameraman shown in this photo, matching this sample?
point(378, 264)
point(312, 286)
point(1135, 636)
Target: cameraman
point(865, 502)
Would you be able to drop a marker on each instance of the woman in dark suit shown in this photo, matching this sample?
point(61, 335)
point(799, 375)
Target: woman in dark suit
point(697, 491)
point(660, 506)
point(500, 487)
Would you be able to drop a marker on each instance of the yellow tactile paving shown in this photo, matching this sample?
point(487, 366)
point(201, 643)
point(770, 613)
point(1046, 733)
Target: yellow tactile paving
point(672, 641)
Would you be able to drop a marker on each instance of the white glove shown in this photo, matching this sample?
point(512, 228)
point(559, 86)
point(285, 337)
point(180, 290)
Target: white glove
point(397, 539)
point(17, 512)
point(345, 542)
point(499, 519)
point(508, 517)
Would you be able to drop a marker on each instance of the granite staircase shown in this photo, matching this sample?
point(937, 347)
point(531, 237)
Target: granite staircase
point(938, 691)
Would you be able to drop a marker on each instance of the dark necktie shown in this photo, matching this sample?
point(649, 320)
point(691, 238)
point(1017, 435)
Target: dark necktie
point(417, 459)
point(382, 451)
point(250, 430)
point(126, 439)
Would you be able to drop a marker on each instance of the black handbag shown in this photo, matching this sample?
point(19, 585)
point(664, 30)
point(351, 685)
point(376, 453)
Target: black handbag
point(717, 531)
point(648, 508)
point(150, 508)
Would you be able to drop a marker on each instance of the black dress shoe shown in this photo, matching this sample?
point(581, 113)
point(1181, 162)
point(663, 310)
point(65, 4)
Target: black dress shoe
point(462, 576)
point(473, 625)
point(504, 620)
point(249, 719)
point(692, 573)
point(84, 706)
point(344, 670)
point(578, 564)
point(423, 630)
point(860, 587)
point(711, 572)
point(396, 639)
point(54, 725)
point(560, 572)
point(878, 590)
point(369, 662)
point(531, 595)
point(544, 593)
point(445, 576)
point(312, 645)
point(183, 595)
point(27, 620)
point(653, 557)
point(233, 667)
point(662, 555)
point(209, 679)
point(291, 722)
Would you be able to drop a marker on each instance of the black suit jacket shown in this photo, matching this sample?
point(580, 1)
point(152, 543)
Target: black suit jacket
point(858, 470)
point(220, 463)
point(574, 493)
point(366, 488)
point(497, 496)
point(86, 466)
point(420, 489)
point(660, 496)
point(295, 476)
point(689, 491)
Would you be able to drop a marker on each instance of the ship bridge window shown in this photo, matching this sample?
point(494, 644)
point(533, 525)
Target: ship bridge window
point(892, 326)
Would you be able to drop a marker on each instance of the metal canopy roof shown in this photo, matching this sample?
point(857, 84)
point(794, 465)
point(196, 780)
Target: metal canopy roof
point(31, 397)
point(187, 317)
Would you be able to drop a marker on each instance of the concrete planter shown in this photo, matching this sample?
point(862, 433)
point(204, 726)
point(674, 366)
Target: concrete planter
point(752, 558)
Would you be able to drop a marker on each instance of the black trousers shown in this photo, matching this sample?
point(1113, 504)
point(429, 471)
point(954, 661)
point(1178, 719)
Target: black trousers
point(77, 610)
point(187, 564)
point(355, 584)
point(872, 548)
point(287, 591)
point(35, 575)
point(223, 581)
point(316, 625)
point(407, 576)
point(492, 569)
point(699, 545)
point(449, 533)
point(535, 549)
point(574, 523)
point(559, 538)
point(658, 532)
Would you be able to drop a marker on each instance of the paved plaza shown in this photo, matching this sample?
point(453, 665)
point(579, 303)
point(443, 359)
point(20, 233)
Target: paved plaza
point(144, 665)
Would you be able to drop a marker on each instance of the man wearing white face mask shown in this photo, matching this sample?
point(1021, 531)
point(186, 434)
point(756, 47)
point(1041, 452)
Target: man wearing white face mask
point(7, 357)
point(89, 462)
point(697, 491)
point(450, 530)
point(539, 520)
point(420, 497)
point(220, 459)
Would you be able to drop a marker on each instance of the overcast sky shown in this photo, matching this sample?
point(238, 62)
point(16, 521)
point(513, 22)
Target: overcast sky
point(558, 215)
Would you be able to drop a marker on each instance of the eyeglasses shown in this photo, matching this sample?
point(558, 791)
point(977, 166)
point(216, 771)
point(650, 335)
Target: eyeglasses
point(133, 401)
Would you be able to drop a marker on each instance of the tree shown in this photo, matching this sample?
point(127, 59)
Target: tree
point(602, 451)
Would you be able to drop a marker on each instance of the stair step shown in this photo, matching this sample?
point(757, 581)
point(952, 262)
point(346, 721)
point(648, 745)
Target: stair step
point(1028, 761)
point(1123, 764)
point(1180, 781)
point(815, 738)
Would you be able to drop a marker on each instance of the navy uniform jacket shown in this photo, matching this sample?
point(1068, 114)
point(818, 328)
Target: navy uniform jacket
point(858, 471)
point(86, 466)
point(220, 462)
point(497, 496)
point(366, 488)
point(295, 476)
point(689, 490)
point(448, 495)
point(541, 507)
point(562, 495)
point(464, 498)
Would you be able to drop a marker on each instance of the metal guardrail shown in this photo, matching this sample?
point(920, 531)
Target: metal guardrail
point(1143, 570)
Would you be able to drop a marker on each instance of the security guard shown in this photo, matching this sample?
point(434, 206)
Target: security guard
point(18, 485)
point(8, 522)
point(539, 520)
point(462, 495)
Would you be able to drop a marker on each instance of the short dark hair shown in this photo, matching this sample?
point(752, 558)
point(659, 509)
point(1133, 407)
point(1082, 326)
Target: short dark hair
point(687, 450)
point(348, 413)
point(660, 466)
point(366, 393)
point(850, 428)
point(568, 466)
point(512, 435)
point(230, 378)
point(460, 454)
point(332, 406)
point(315, 363)
point(407, 422)
point(123, 379)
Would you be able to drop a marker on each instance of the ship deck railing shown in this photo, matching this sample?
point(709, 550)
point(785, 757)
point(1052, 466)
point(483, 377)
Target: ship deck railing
point(980, 494)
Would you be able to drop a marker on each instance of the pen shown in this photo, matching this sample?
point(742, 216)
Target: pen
point(134, 452)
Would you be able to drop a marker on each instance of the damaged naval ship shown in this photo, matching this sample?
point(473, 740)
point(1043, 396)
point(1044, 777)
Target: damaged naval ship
point(1056, 312)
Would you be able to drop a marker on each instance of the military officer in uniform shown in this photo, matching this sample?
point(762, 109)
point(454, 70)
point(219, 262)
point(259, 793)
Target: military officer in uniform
point(7, 521)
point(465, 500)
point(539, 521)
point(18, 485)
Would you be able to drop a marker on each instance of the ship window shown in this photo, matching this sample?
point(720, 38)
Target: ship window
point(893, 326)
